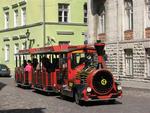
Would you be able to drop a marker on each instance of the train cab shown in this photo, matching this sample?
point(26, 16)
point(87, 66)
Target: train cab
point(88, 78)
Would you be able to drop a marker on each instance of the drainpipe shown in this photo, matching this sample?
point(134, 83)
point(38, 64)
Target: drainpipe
point(44, 29)
point(117, 40)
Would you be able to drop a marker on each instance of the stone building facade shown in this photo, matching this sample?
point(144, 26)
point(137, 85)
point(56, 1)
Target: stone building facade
point(124, 25)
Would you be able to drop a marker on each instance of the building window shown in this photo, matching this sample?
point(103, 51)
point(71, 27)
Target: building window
point(85, 13)
point(16, 49)
point(16, 17)
point(7, 51)
point(148, 13)
point(6, 15)
point(102, 22)
point(63, 12)
point(23, 46)
point(23, 16)
point(148, 62)
point(129, 62)
point(128, 14)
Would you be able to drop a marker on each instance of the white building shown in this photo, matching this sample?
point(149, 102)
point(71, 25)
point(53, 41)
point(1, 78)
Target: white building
point(124, 25)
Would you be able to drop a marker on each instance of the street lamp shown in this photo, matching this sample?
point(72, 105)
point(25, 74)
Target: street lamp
point(27, 34)
point(27, 37)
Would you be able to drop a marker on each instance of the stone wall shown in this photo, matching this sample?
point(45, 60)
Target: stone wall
point(114, 60)
point(111, 51)
point(138, 60)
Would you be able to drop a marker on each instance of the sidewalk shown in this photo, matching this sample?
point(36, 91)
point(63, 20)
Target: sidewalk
point(135, 84)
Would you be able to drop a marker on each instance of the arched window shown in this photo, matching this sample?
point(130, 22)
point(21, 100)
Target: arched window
point(102, 21)
point(128, 14)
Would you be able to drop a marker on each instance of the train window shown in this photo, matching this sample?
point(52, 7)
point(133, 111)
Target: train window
point(77, 59)
point(91, 59)
point(63, 61)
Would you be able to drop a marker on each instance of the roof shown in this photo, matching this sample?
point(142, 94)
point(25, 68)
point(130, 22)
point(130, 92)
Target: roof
point(23, 52)
point(57, 49)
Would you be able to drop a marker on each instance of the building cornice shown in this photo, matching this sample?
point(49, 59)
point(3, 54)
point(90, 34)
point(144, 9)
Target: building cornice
point(15, 38)
point(14, 6)
point(39, 24)
point(70, 24)
point(145, 42)
point(5, 8)
point(135, 41)
point(22, 3)
point(6, 39)
point(21, 27)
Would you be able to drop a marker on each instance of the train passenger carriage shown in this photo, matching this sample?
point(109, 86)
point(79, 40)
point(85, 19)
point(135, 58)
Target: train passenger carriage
point(46, 75)
point(22, 77)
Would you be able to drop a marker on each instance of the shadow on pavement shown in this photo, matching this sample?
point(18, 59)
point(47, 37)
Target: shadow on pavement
point(64, 98)
point(45, 93)
point(8, 76)
point(97, 103)
point(2, 85)
point(34, 110)
point(136, 89)
point(91, 103)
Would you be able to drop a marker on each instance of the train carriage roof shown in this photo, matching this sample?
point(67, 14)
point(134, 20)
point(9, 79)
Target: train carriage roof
point(59, 49)
point(23, 52)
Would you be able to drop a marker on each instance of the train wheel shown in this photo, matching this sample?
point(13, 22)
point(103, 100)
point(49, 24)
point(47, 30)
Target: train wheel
point(62, 96)
point(112, 101)
point(18, 85)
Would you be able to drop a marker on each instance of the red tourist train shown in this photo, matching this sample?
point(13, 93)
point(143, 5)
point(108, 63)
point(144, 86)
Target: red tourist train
point(79, 72)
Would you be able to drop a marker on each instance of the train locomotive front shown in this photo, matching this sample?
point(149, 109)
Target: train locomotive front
point(97, 82)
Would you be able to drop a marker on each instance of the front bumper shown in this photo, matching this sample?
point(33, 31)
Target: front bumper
point(111, 96)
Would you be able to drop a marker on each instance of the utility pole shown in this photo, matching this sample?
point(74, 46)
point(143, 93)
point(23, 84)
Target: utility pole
point(44, 30)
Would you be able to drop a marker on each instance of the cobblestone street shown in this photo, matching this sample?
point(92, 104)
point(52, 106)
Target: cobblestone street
point(17, 100)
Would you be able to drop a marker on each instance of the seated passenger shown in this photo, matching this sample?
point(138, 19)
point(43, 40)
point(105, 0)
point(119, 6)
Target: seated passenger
point(24, 63)
point(35, 63)
point(38, 67)
point(48, 65)
point(28, 66)
point(44, 61)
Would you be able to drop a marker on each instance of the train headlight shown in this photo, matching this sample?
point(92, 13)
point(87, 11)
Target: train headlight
point(88, 89)
point(119, 87)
